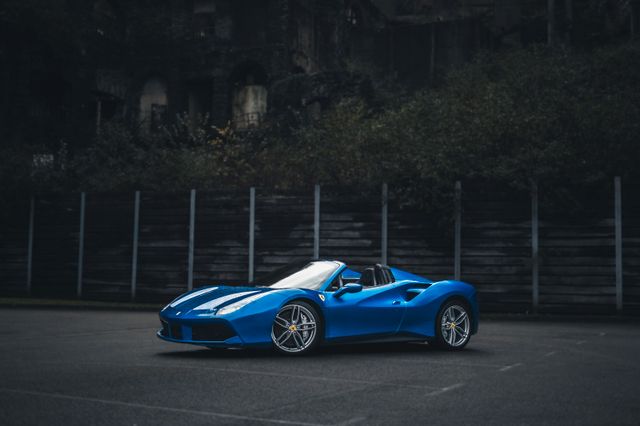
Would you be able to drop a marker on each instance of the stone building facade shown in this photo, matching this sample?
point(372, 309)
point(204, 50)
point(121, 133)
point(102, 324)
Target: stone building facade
point(70, 65)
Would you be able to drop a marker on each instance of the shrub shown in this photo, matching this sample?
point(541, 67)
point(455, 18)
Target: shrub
point(554, 116)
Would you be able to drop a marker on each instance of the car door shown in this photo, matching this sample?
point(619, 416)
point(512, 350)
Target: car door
point(372, 311)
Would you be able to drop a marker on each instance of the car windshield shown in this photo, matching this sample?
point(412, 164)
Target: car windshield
point(310, 275)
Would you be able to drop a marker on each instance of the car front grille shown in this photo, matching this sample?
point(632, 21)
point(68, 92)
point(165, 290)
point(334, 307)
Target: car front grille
point(165, 328)
point(211, 332)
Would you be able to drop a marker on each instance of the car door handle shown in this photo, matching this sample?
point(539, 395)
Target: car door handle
point(395, 302)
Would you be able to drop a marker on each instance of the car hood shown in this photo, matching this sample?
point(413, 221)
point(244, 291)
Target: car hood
point(214, 297)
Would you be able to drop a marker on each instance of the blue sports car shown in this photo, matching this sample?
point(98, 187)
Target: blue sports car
point(302, 305)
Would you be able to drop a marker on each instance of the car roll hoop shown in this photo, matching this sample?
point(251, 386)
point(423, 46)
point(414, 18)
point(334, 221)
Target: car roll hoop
point(377, 275)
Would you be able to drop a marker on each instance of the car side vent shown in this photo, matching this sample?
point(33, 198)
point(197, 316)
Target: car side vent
point(413, 292)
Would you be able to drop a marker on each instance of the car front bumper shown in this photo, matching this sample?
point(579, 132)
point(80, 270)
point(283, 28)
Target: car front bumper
point(202, 332)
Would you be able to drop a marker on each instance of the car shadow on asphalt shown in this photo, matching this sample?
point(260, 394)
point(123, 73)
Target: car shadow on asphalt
point(354, 349)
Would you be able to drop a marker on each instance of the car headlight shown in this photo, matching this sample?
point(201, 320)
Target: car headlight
point(239, 304)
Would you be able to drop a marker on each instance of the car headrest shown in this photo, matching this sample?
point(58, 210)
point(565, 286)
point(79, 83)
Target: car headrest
point(367, 278)
point(379, 275)
point(383, 274)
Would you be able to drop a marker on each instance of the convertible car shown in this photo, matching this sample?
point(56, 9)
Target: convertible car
point(303, 305)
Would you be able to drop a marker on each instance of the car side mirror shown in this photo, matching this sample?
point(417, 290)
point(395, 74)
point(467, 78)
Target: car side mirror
point(348, 288)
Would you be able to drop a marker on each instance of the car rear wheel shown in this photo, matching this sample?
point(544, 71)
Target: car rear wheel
point(295, 329)
point(453, 326)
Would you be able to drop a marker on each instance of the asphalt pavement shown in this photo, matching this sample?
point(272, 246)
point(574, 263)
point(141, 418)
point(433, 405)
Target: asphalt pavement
point(71, 367)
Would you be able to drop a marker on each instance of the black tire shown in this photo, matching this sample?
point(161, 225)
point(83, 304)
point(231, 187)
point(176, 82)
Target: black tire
point(300, 341)
point(450, 337)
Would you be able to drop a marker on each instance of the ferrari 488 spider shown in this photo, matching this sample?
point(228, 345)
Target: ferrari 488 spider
point(302, 305)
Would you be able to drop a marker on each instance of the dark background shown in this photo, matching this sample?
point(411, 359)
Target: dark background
point(152, 146)
point(106, 98)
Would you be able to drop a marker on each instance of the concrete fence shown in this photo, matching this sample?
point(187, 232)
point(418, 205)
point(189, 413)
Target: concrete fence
point(150, 246)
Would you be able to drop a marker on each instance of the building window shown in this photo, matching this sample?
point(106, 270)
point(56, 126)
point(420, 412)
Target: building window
point(203, 26)
point(200, 100)
point(204, 6)
point(204, 18)
point(153, 104)
point(104, 9)
point(250, 22)
point(107, 20)
point(303, 41)
point(249, 96)
point(353, 15)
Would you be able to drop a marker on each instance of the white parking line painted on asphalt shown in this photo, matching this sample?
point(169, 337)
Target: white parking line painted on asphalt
point(509, 367)
point(550, 353)
point(162, 408)
point(581, 342)
point(445, 389)
point(451, 363)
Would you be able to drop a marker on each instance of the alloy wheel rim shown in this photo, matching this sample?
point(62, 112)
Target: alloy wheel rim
point(294, 328)
point(455, 326)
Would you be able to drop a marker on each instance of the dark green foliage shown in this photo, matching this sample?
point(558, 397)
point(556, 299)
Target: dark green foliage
point(556, 117)
point(171, 159)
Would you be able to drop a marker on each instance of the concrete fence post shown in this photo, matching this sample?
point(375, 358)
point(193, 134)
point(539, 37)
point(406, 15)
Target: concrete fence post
point(134, 256)
point(252, 230)
point(81, 244)
point(385, 224)
point(618, 226)
point(457, 231)
point(316, 223)
point(192, 224)
point(30, 244)
point(535, 266)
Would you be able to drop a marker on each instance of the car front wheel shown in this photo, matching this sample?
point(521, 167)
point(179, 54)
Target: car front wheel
point(295, 328)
